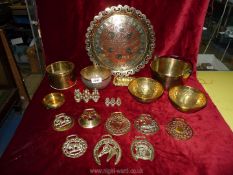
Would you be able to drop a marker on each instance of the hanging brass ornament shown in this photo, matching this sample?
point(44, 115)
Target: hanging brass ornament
point(142, 149)
point(74, 146)
point(107, 146)
point(179, 129)
point(89, 118)
point(117, 124)
point(145, 124)
point(62, 122)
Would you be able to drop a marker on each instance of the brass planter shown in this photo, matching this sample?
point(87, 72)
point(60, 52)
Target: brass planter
point(170, 71)
point(61, 75)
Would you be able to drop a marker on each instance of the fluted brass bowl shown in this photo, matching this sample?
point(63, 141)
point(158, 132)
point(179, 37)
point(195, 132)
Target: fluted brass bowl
point(96, 76)
point(187, 99)
point(53, 100)
point(170, 71)
point(145, 89)
point(61, 75)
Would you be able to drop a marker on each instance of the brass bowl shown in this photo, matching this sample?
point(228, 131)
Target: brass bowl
point(96, 76)
point(170, 71)
point(187, 99)
point(61, 75)
point(145, 89)
point(53, 100)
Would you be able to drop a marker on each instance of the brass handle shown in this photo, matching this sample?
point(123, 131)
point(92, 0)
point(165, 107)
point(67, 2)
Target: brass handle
point(187, 71)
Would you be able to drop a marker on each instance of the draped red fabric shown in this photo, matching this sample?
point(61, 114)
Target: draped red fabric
point(36, 147)
point(177, 25)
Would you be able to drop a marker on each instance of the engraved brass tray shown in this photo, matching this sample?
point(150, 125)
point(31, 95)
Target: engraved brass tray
point(179, 129)
point(120, 38)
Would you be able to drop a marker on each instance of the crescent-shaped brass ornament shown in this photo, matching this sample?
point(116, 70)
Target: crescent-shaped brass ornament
point(107, 146)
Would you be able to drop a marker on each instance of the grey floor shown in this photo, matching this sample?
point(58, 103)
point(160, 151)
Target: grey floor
point(8, 128)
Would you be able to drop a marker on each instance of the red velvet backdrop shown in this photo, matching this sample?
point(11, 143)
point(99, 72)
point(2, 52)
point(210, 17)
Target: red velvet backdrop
point(36, 147)
point(177, 25)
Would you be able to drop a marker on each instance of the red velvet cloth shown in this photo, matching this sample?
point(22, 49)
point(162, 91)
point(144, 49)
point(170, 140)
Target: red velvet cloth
point(36, 147)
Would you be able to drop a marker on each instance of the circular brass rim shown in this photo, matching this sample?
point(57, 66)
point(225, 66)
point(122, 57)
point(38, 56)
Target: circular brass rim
point(147, 79)
point(189, 65)
point(57, 94)
point(84, 69)
point(133, 13)
point(58, 62)
point(64, 88)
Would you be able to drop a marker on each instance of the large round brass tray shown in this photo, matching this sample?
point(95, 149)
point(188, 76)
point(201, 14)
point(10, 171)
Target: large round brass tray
point(120, 38)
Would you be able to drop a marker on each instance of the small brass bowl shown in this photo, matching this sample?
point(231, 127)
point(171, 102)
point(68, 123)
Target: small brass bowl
point(187, 99)
point(96, 77)
point(53, 100)
point(170, 71)
point(145, 89)
point(61, 75)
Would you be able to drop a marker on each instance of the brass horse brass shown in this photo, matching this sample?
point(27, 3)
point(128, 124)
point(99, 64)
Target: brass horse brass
point(110, 147)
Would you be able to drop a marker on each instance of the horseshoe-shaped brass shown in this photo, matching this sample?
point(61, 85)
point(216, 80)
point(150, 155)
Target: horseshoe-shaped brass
point(110, 147)
point(142, 149)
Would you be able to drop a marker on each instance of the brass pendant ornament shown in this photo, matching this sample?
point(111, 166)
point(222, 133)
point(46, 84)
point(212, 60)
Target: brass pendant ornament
point(179, 129)
point(145, 124)
point(74, 146)
point(142, 149)
point(117, 124)
point(62, 122)
point(107, 146)
point(89, 118)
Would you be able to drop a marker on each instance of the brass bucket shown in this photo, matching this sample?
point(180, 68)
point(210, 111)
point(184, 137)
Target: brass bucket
point(61, 75)
point(170, 71)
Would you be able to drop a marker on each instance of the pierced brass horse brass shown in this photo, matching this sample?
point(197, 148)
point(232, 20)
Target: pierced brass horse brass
point(62, 122)
point(107, 146)
point(142, 149)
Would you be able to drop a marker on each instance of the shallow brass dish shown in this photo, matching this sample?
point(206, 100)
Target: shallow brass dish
point(53, 100)
point(61, 75)
point(120, 38)
point(187, 99)
point(145, 89)
point(170, 71)
point(179, 129)
point(96, 76)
